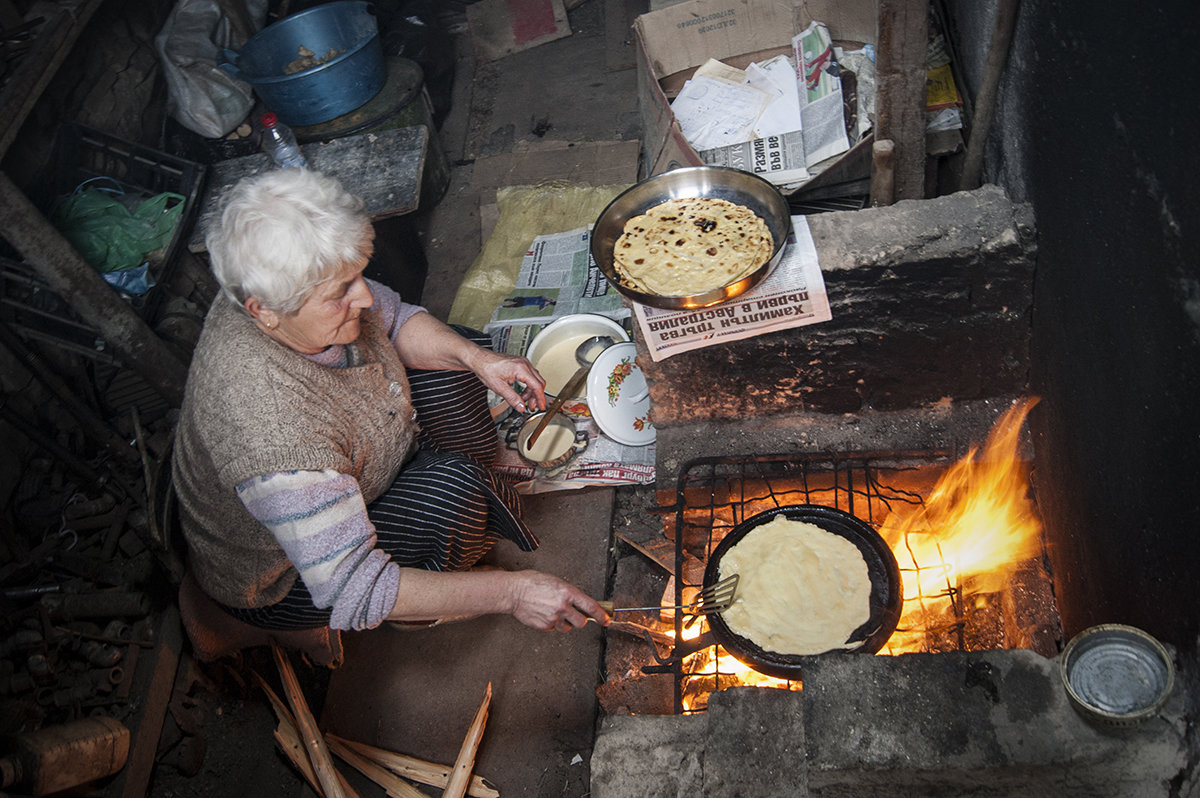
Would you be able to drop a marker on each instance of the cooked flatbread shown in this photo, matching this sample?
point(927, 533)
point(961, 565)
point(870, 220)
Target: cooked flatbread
point(802, 590)
point(684, 247)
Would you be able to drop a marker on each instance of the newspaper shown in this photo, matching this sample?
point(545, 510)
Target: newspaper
point(823, 121)
point(602, 461)
point(779, 159)
point(558, 277)
point(792, 295)
point(815, 133)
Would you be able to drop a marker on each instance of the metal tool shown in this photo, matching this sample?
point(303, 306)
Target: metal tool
point(585, 354)
point(715, 598)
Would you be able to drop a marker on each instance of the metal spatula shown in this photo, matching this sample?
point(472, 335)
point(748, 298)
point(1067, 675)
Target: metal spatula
point(714, 598)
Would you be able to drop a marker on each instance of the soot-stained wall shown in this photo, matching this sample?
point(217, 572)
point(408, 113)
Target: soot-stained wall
point(1094, 128)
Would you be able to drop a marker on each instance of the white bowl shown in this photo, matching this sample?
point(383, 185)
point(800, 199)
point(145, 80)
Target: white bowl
point(552, 351)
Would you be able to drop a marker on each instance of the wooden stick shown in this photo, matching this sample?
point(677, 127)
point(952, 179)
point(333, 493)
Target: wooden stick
point(395, 786)
point(985, 103)
point(460, 776)
point(420, 770)
point(883, 173)
point(637, 630)
point(306, 724)
point(289, 742)
point(288, 738)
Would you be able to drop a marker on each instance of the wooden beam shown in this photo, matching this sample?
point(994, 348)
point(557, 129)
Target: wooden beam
point(900, 74)
point(985, 104)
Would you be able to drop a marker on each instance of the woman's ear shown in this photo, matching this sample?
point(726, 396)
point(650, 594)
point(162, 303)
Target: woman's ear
point(263, 315)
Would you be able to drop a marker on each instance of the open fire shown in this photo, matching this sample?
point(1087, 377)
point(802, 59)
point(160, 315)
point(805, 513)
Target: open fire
point(964, 533)
point(959, 548)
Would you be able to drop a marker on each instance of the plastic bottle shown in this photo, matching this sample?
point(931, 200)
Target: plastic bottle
point(279, 142)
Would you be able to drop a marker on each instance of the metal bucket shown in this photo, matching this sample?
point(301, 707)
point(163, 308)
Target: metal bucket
point(327, 90)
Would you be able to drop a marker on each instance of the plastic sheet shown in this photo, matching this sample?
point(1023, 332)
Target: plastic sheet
point(525, 213)
point(201, 96)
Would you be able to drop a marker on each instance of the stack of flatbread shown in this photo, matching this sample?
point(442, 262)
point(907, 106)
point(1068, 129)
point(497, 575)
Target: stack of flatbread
point(685, 247)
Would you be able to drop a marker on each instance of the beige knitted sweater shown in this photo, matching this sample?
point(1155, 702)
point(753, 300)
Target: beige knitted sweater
point(253, 406)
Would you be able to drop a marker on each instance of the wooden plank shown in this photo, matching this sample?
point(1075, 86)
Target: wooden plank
point(504, 27)
point(900, 74)
point(383, 168)
point(143, 750)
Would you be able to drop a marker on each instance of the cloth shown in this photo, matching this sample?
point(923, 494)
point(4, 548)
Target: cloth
point(252, 407)
point(214, 634)
point(444, 511)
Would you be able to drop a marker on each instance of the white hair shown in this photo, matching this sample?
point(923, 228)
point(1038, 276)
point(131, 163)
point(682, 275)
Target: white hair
point(284, 232)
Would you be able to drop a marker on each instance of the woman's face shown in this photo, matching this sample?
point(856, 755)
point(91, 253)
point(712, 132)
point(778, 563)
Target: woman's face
point(330, 314)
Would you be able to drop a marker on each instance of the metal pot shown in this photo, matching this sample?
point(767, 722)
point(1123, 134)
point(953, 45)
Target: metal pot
point(325, 91)
point(570, 444)
point(886, 593)
point(721, 182)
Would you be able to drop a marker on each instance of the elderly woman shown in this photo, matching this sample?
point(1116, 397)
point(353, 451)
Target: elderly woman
point(332, 452)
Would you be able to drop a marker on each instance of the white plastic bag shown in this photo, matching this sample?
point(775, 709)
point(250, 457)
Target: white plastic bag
point(200, 95)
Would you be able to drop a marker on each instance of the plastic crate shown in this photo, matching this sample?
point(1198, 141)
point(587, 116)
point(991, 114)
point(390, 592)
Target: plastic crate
point(82, 154)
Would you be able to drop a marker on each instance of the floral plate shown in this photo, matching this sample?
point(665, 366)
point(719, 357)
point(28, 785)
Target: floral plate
point(618, 397)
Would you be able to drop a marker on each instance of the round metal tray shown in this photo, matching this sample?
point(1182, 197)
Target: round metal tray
point(1116, 674)
point(721, 182)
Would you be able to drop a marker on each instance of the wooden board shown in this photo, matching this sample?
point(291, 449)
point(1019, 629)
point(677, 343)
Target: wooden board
point(504, 27)
point(383, 168)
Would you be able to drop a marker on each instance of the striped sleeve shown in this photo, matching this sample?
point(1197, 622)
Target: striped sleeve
point(392, 309)
point(320, 520)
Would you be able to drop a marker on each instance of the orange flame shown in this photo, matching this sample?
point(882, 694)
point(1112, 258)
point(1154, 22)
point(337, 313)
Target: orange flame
point(977, 524)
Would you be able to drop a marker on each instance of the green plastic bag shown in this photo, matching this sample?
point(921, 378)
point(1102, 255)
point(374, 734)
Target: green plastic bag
point(111, 237)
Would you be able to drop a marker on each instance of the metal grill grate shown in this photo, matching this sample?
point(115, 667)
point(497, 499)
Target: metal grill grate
point(716, 494)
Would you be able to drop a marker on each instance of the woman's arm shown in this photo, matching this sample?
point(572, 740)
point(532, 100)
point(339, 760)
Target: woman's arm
point(321, 522)
point(426, 343)
point(535, 599)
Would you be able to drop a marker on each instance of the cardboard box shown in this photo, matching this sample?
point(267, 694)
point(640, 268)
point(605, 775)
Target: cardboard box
point(673, 41)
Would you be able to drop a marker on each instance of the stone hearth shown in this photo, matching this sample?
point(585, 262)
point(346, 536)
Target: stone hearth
point(928, 344)
point(995, 723)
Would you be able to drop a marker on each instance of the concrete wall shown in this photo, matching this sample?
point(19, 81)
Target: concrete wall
point(1093, 127)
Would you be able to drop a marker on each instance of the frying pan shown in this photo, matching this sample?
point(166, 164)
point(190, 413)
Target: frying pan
point(720, 182)
point(885, 599)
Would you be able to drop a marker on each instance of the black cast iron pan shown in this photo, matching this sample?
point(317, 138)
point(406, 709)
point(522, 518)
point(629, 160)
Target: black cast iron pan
point(886, 593)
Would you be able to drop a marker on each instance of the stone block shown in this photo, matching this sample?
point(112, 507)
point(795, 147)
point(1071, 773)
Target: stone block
point(930, 301)
point(755, 745)
point(993, 723)
point(648, 756)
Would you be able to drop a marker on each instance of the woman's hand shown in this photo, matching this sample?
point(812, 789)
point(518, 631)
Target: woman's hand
point(500, 371)
point(548, 603)
point(426, 343)
point(534, 598)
